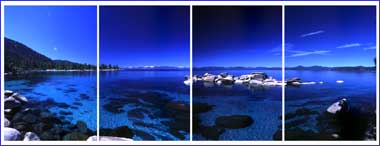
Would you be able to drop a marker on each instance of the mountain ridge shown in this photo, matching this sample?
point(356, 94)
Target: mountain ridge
point(19, 57)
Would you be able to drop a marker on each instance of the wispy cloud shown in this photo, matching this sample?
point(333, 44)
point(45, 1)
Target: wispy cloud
point(277, 54)
point(370, 48)
point(349, 45)
point(306, 53)
point(278, 48)
point(312, 33)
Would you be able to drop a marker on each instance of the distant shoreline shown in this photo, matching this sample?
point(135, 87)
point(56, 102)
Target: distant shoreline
point(301, 68)
point(49, 70)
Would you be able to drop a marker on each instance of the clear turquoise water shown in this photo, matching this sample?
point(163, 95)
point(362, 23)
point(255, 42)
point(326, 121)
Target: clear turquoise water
point(60, 87)
point(261, 103)
point(359, 88)
point(119, 84)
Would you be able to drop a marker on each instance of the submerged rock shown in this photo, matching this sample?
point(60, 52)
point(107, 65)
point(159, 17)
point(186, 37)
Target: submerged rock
point(201, 108)
point(11, 134)
point(234, 121)
point(77, 103)
point(300, 112)
point(143, 135)
point(178, 106)
point(123, 131)
point(108, 138)
point(82, 127)
point(49, 136)
point(30, 118)
point(11, 102)
point(300, 134)
point(65, 113)
point(84, 96)
point(75, 136)
point(30, 136)
point(137, 113)
point(211, 132)
point(114, 107)
point(277, 135)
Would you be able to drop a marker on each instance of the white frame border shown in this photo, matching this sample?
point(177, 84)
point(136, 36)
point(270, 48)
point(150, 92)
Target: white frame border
point(191, 4)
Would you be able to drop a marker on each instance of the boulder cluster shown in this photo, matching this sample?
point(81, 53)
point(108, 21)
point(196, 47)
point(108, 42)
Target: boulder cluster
point(255, 79)
point(28, 121)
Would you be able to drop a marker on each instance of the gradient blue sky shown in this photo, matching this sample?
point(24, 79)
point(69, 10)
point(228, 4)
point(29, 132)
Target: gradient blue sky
point(237, 36)
point(145, 35)
point(330, 35)
point(58, 32)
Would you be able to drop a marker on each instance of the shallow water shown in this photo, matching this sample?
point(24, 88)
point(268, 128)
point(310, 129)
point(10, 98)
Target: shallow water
point(75, 92)
point(145, 94)
point(359, 88)
point(263, 104)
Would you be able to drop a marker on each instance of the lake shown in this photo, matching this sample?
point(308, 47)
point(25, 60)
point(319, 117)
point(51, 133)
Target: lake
point(153, 104)
point(70, 96)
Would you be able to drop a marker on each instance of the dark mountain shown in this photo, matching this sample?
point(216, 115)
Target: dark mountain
point(19, 57)
point(156, 68)
point(343, 68)
point(235, 68)
point(314, 68)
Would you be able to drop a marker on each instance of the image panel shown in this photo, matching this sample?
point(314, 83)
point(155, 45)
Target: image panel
point(330, 59)
point(237, 73)
point(144, 57)
point(50, 73)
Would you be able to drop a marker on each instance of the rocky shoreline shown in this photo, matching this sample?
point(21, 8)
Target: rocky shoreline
point(154, 106)
point(28, 121)
point(338, 122)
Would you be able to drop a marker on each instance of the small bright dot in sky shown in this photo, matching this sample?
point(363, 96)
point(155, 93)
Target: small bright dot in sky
point(70, 27)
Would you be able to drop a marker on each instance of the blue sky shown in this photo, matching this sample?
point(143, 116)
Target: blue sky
point(237, 36)
point(330, 35)
point(145, 35)
point(58, 32)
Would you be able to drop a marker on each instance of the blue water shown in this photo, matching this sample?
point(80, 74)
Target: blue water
point(359, 88)
point(119, 85)
point(60, 87)
point(263, 104)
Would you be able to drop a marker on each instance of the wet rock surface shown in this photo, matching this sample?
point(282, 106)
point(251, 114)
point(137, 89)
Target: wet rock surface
point(11, 134)
point(7, 123)
point(342, 124)
point(30, 136)
point(221, 123)
point(30, 121)
point(123, 131)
